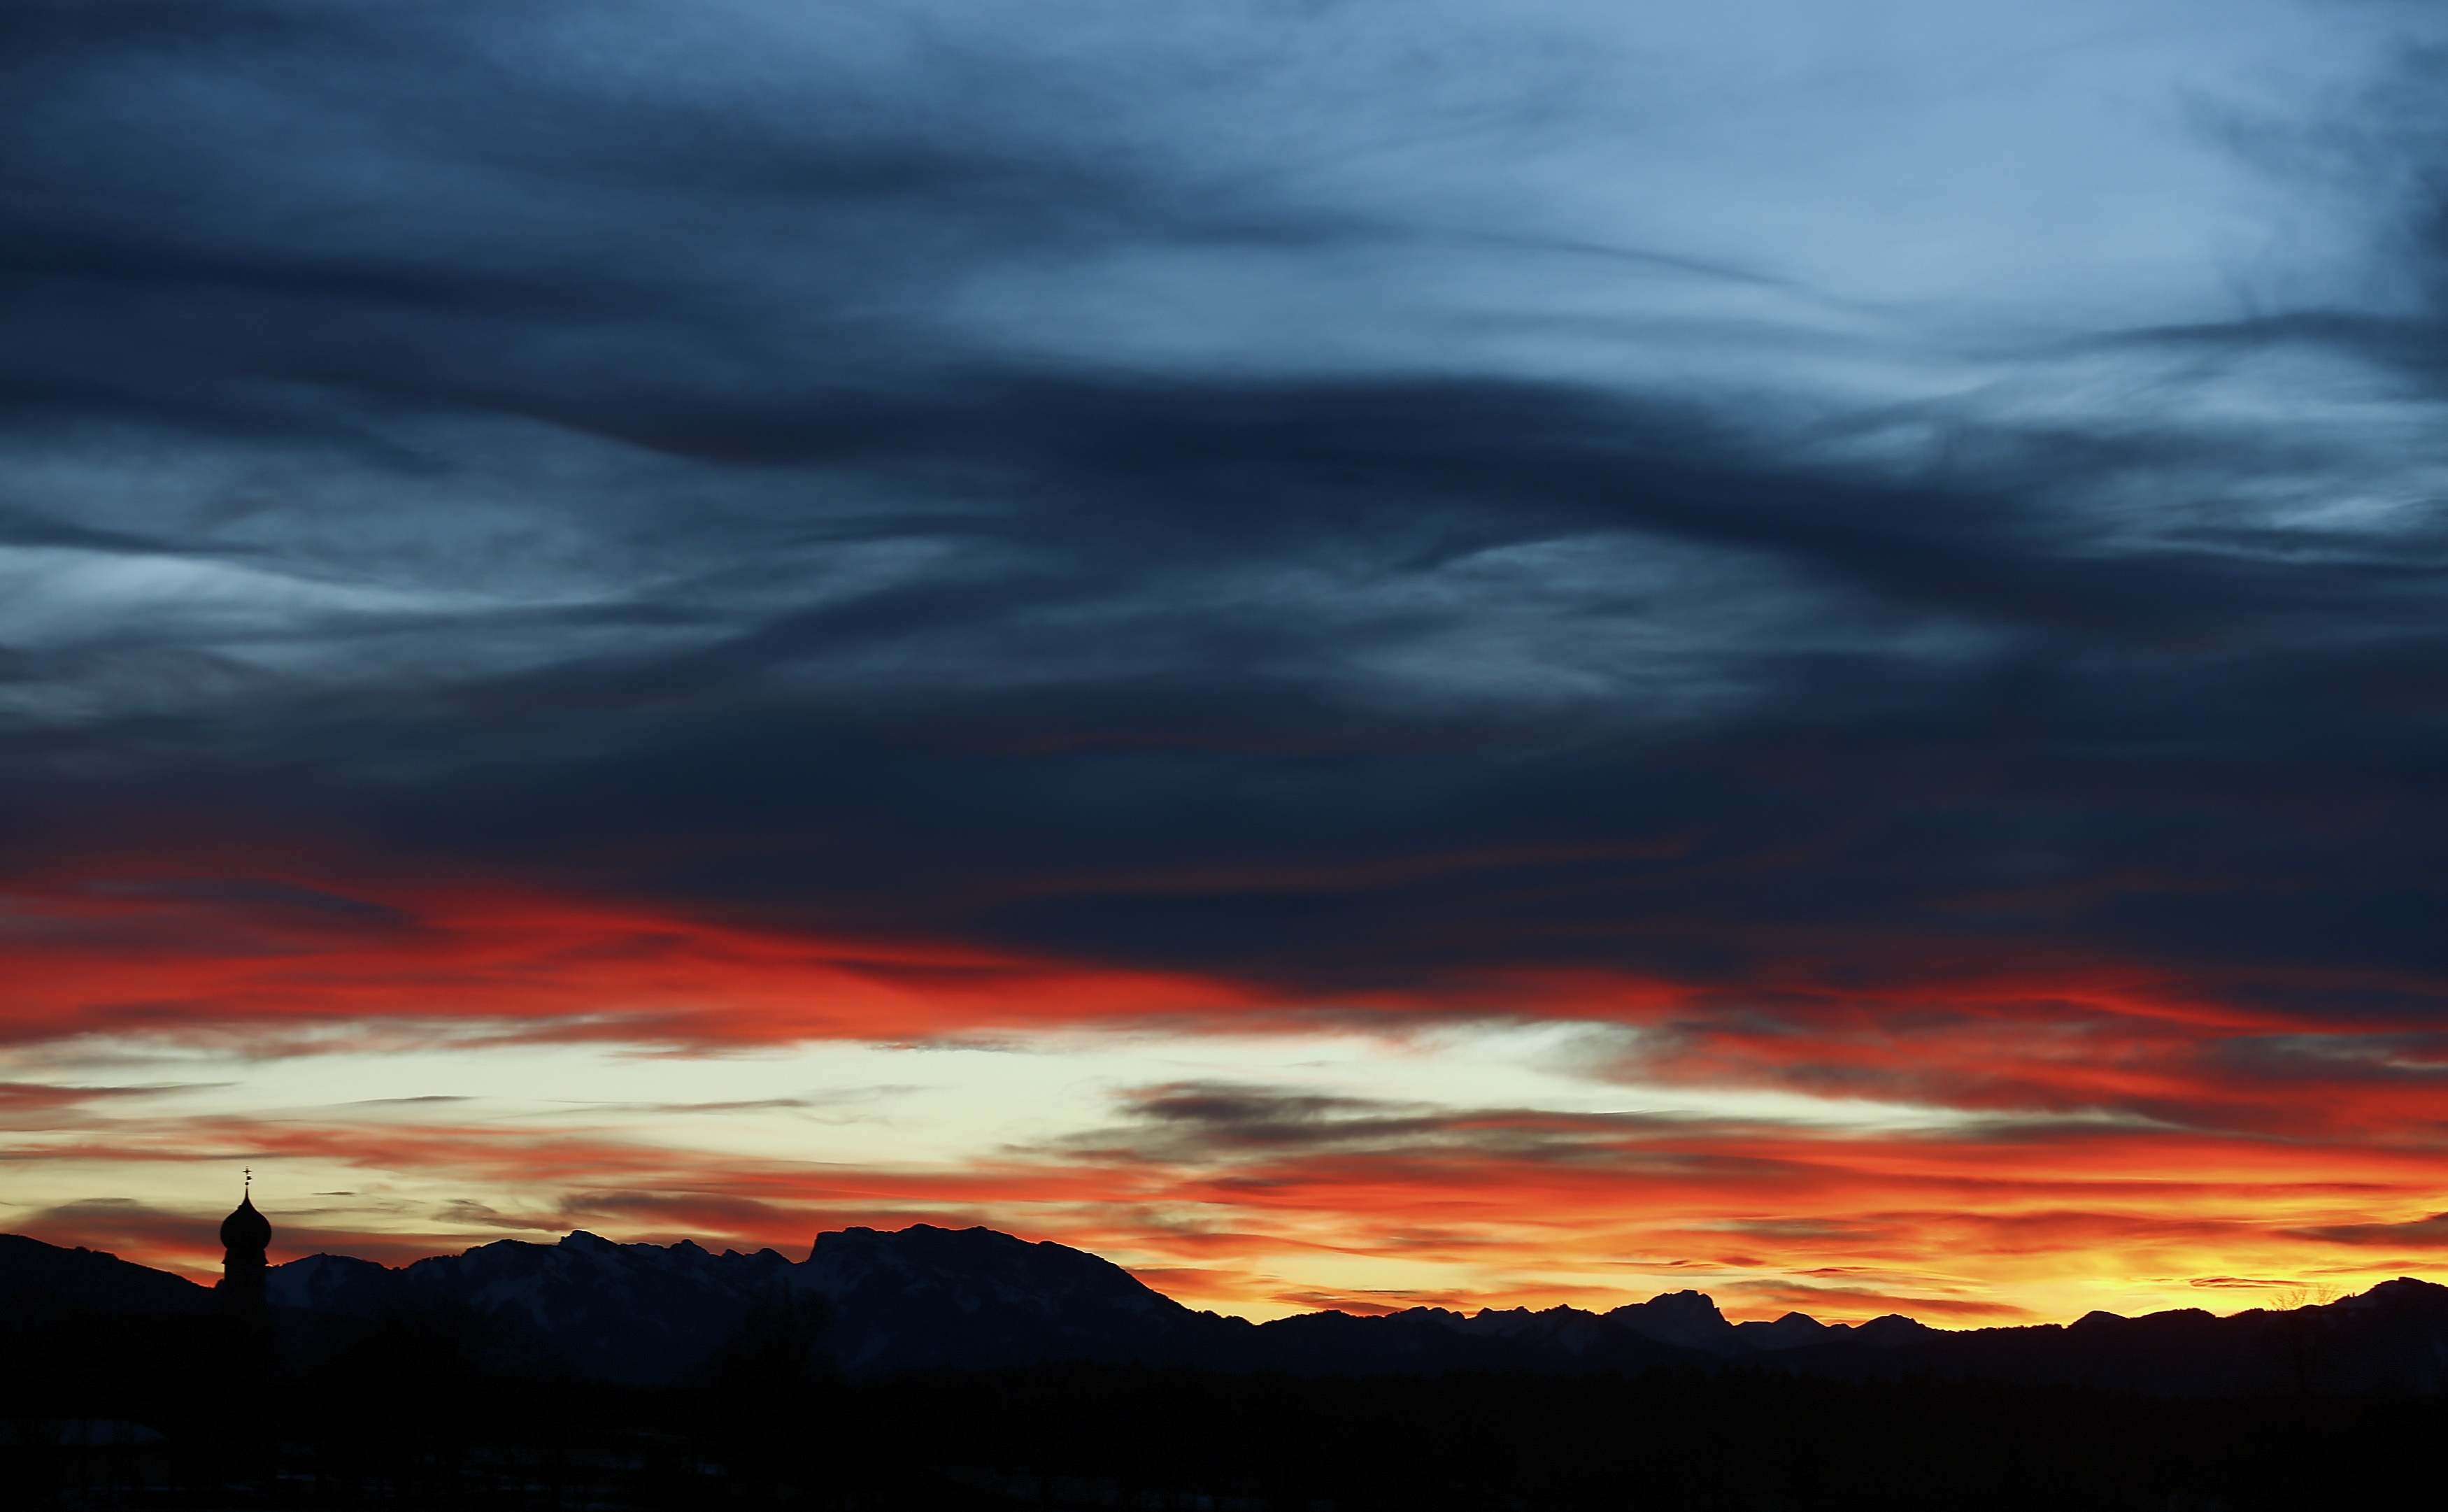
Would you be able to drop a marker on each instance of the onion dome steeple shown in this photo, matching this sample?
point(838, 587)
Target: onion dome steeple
point(246, 1229)
point(245, 1235)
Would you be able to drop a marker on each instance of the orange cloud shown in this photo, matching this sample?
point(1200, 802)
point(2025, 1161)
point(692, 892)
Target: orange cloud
point(2121, 1132)
point(1480, 1207)
point(183, 954)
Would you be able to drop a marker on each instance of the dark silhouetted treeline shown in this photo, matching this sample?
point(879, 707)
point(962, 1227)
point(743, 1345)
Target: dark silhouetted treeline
point(1736, 1439)
point(447, 1408)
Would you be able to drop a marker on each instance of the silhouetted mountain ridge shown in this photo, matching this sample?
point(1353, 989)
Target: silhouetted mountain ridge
point(34, 1274)
point(928, 1298)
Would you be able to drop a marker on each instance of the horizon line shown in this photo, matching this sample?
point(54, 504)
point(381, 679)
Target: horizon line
point(2315, 1296)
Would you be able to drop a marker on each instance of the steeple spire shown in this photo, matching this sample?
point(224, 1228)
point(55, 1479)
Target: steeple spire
point(245, 1236)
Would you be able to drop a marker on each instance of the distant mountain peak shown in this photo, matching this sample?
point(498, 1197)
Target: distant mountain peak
point(2399, 1292)
point(927, 1297)
point(1688, 1318)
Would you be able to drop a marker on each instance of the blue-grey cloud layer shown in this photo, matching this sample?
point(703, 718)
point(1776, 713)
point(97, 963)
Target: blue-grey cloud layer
point(1350, 499)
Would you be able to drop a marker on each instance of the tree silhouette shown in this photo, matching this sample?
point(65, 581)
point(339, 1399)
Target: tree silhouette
point(2303, 1327)
point(395, 1400)
point(767, 1400)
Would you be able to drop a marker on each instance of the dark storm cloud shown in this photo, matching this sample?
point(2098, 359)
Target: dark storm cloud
point(993, 483)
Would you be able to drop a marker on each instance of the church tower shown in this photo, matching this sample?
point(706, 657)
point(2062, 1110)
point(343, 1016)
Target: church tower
point(245, 1236)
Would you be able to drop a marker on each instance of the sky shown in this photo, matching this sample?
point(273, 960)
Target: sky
point(1357, 654)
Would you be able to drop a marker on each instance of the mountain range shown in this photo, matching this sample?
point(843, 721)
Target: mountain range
point(929, 1299)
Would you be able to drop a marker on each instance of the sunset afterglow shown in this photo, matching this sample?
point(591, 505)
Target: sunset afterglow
point(1355, 656)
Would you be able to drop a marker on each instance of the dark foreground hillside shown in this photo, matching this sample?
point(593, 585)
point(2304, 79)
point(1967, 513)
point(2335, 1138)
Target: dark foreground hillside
point(437, 1408)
